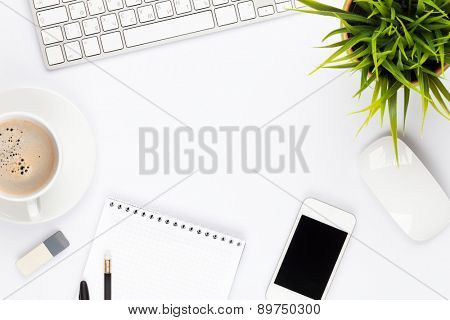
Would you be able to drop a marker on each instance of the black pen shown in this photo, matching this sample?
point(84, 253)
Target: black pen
point(84, 291)
point(107, 278)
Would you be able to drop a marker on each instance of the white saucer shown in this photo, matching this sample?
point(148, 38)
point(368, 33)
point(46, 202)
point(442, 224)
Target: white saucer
point(78, 145)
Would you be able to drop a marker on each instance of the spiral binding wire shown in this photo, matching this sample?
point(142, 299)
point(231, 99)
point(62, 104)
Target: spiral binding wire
point(175, 224)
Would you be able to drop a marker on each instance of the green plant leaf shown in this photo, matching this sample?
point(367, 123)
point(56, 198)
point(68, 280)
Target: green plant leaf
point(406, 95)
point(365, 6)
point(341, 66)
point(336, 44)
point(420, 6)
point(376, 91)
point(357, 29)
point(385, 12)
point(436, 26)
point(414, 24)
point(372, 113)
point(367, 61)
point(365, 86)
point(383, 89)
point(423, 45)
point(402, 48)
point(423, 59)
point(374, 54)
point(441, 87)
point(441, 50)
point(383, 97)
point(320, 6)
point(398, 75)
point(408, 37)
point(344, 16)
point(374, 13)
point(424, 91)
point(406, 18)
point(445, 113)
point(442, 19)
point(432, 4)
point(399, 62)
point(392, 104)
point(364, 77)
point(393, 49)
point(360, 52)
point(348, 44)
point(354, 17)
point(335, 32)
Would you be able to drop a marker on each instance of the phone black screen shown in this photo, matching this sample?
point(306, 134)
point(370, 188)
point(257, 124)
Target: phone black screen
point(310, 258)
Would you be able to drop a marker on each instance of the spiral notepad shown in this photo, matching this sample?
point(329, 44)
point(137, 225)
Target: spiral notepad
point(159, 257)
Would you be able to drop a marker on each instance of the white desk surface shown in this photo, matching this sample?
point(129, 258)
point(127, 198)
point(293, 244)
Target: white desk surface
point(225, 79)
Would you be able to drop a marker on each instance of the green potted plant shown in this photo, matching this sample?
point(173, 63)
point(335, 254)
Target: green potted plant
point(395, 44)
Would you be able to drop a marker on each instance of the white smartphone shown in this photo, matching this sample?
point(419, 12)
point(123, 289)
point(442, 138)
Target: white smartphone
point(313, 251)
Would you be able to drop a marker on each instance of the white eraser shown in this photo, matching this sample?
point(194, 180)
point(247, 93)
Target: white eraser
point(42, 254)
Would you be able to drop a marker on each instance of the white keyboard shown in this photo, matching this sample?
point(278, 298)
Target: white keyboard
point(72, 31)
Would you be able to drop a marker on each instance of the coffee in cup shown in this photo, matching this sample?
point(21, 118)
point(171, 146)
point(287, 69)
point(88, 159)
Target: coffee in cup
point(28, 157)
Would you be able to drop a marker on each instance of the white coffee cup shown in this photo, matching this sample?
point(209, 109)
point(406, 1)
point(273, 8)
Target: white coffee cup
point(32, 200)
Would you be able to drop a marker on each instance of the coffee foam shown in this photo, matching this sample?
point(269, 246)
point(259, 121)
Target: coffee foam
point(28, 157)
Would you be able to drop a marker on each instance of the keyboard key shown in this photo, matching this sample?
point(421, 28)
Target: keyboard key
point(284, 6)
point(52, 16)
point(111, 42)
point(226, 15)
point(246, 10)
point(109, 22)
point(131, 3)
point(169, 29)
point(72, 30)
point(54, 55)
point(182, 6)
point(219, 2)
point(146, 13)
point(201, 4)
point(77, 10)
point(91, 47)
point(114, 4)
point(127, 18)
point(91, 26)
point(39, 4)
point(52, 35)
point(95, 7)
point(164, 9)
point(266, 11)
point(73, 51)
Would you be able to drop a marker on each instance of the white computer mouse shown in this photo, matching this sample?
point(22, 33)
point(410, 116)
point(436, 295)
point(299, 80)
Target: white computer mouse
point(407, 191)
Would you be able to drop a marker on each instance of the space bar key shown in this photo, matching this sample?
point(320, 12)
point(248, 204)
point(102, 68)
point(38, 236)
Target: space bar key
point(169, 29)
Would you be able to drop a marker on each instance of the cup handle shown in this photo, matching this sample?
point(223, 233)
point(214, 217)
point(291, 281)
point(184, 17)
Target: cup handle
point(33, 207)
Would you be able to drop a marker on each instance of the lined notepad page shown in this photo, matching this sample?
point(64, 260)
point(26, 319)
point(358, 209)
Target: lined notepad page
point(159, 257)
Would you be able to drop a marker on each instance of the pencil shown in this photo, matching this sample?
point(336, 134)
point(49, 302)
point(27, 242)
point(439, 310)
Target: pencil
point(107, 278)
